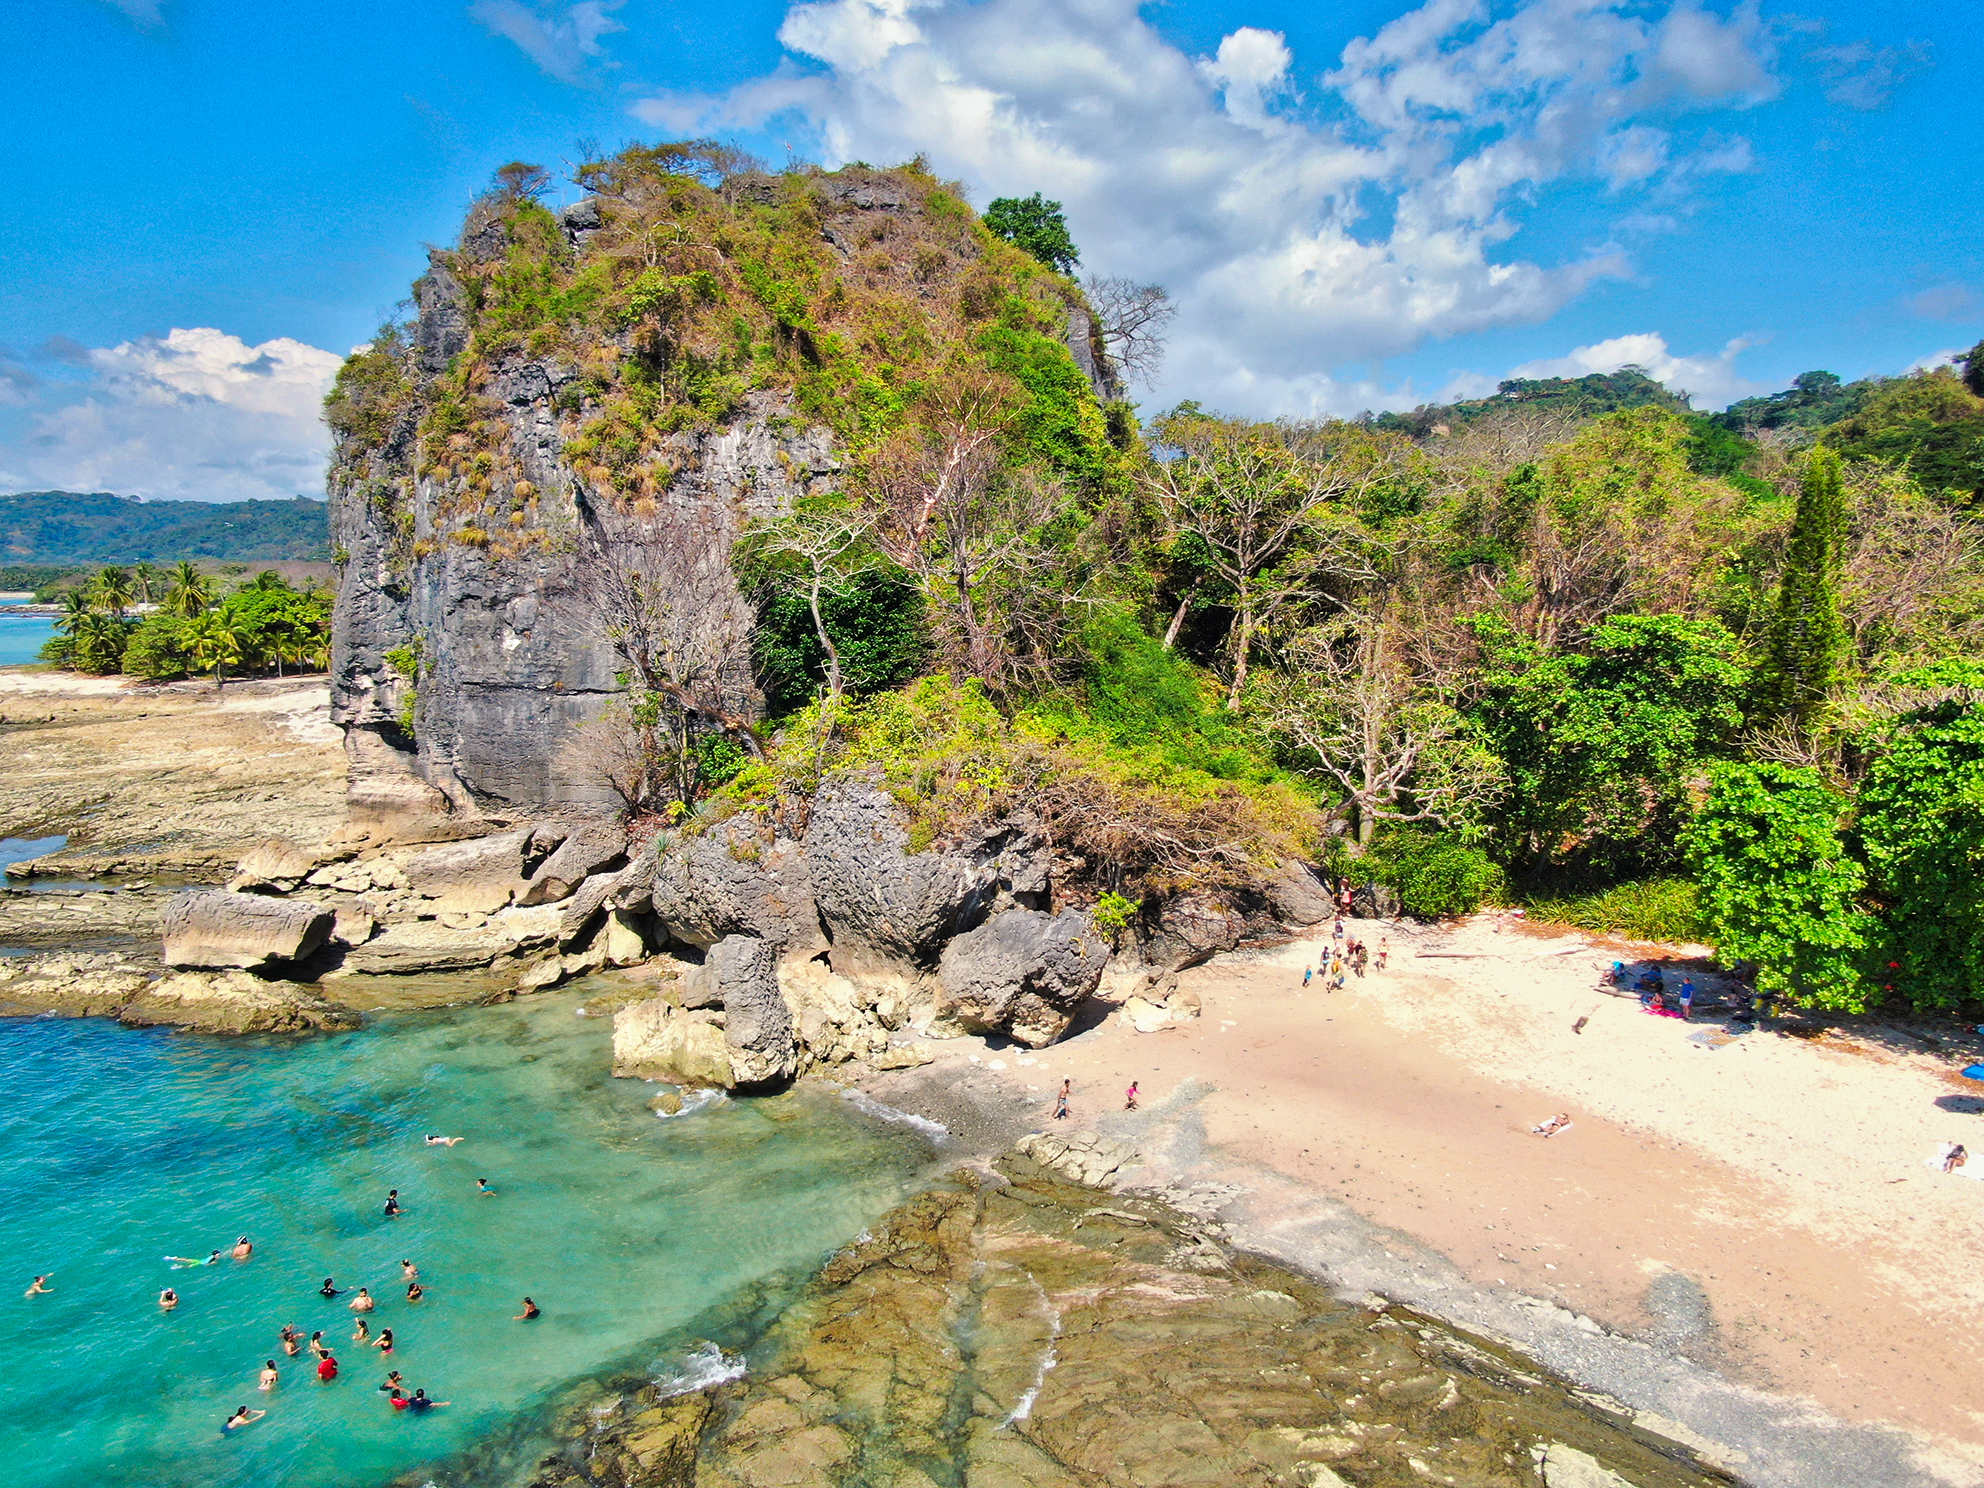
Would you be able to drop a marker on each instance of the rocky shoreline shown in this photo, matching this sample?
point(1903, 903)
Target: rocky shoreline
point(1010, 1326)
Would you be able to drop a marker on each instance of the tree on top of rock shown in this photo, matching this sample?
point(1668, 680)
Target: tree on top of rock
point(1035, 224)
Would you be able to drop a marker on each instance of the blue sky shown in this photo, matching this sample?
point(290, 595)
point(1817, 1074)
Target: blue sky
point(1356, 205)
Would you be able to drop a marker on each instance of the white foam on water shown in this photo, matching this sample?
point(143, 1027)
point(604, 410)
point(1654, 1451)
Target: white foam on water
point(694, 1101)
point(934, 1132)
point(699, 1369)
point(1023, 1407)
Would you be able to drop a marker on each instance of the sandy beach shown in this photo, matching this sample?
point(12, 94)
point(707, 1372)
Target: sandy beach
point(1755, 1212)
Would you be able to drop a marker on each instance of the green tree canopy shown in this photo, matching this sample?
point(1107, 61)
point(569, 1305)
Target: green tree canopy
point(1035, 224)
point(1807, 636)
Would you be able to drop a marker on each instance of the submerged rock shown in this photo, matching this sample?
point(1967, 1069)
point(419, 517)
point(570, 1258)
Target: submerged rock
point(214, 927)
point(655, 1040)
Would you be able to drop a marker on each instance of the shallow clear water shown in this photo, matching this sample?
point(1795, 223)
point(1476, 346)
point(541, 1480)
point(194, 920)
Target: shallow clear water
point(21, 638)
point(123, 1147)
point(20, 849)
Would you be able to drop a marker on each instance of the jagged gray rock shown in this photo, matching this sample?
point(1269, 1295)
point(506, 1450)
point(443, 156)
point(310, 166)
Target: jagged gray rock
point(890, 909)
point(726, 881)
point(1191, 929)
point(1298, 896)
point(757, 1025)
point(218, 928)
point(1022, 973)
point(589, 848)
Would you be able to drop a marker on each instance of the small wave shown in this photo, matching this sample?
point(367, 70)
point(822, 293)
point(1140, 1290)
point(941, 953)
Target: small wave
point(699, 1369)
point(694, 1101)
point(1023, 1407)
point(935, 1132)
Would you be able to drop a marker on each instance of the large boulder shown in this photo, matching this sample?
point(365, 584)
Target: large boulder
point(889, 908)
point(1189, 930)
point(656, 1040)
point(1022, 973)
point(1298, 896)
point(215, 927)
point(479, 875)
point(757, 1024)
point(586, 850)
point(275, 863)
point(727, 881)
point(417, 946)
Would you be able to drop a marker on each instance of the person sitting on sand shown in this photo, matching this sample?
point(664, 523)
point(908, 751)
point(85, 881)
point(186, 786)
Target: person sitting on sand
point(242, 1417)
point(362, 1302)
point(38, 1289)
point(269, 1375)
point(1955, 1158)
point(531, 1313)
point(1554, 1125)
point(242, 1249)
point(420, 1402)
point(442, 1141)
point(168, 1299)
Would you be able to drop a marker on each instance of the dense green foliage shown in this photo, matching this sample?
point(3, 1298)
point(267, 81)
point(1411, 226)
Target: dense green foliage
point(1807, 639)
point(264, 625)
point(1778, 887)
point(1646, 909)
point(54, 527)
point(1036, 225)
point(876, 621)
point(1586, 397)
point(1434, 876)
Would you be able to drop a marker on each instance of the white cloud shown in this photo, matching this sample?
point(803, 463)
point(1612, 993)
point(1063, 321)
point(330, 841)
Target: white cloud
point(198, 413)
point(1951, 301)
point(561, 42)
point(1936, 359)
point(1712, 381)
point(1301, 232)
point(1864, 76)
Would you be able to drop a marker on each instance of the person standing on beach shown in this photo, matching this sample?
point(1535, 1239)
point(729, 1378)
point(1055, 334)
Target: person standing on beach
point(1361, 958)
point(1130, 1097)
point(1384, 951)
point(1307, 972)
point(1061, 1100)
point(1687, 1000)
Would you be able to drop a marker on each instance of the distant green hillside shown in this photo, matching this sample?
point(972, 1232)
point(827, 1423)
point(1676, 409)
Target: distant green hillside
point(1589, 397)
point(74, 527)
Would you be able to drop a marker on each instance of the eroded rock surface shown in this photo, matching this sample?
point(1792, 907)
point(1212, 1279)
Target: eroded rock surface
point(1023, 973)
point(1024, 1335)
point(215, 927)
point(104, 985)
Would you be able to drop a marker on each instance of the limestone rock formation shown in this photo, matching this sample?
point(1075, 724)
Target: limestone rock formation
point(656, 1040)
point(213, 927)
point(727, 882)
point(1298, 896)
point(890, 909)
point(757, 1024)
point(589, 848)
point(1190, 930)
point(233, 1002)
point(1022, 973)
point(483, 873)
point(1082, 1157)
point(275, 863)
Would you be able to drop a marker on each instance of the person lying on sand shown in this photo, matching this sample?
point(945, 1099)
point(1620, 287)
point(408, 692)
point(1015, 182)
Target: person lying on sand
point(1550, 1128)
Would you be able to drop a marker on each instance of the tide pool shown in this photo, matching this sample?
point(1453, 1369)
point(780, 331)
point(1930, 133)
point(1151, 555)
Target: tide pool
point(124, 1147)
point(21, 638)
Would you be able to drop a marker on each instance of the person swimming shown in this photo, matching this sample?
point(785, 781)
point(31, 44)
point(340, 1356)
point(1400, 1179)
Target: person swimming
point(410, 1271)
point(242, 1417)
point(292, 1340)
point(38, 1290)
point(328, 1291)
point(392, 1203)
point(168, 1299)
point(415, 1291)
point(393, 1381)
point(531, 1312)
point(362, 1302)
point(433, 1141)
point(317, 1344)
point(362, 1333)
point(327, 1369)
point(269, 1376)
point(242, 1249)
point(384, 1342)
point(181, 1262)
point(420, 1402)
point(482, 1187)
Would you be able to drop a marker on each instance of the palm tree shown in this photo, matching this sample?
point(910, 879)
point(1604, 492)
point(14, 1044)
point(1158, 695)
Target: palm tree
point(192, 593)
point(76, 610)
point(268, 578)
point(213, 642)
point(112, 589)
point(149, 581)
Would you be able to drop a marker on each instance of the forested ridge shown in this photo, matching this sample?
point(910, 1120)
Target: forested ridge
point(1574, 645)
point(60, 527)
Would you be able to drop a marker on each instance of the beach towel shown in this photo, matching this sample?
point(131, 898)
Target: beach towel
point(1971, 1169)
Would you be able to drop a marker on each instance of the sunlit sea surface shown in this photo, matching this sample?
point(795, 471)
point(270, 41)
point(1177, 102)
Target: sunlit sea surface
point(121, 1148)
point(21, 638)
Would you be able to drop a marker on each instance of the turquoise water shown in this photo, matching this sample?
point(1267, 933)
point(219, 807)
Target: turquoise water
point(123, 1147)
point(21, 637)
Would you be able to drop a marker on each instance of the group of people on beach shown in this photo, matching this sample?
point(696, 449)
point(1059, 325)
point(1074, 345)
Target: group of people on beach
point(361, 1304)
point(1346, 954)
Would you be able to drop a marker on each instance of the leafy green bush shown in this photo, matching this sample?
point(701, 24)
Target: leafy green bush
point(1434, 876)
point(877, 624)
point(158, 650)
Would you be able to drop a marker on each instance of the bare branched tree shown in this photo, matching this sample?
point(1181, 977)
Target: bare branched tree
point(832, 551)
point(1264, 506)
point(1358, 718)
point(1133, 319)
point(972, 536)
point(660, 591)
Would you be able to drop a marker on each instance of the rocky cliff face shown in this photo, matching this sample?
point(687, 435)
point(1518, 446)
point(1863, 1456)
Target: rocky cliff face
point(573, 388)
